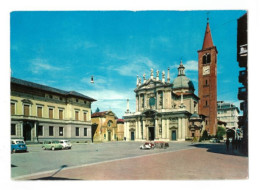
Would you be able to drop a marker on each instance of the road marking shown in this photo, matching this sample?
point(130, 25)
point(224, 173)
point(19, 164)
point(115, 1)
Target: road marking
point(96, 163)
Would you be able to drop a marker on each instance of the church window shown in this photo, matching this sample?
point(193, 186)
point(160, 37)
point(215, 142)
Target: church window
point(206, 58)
point(206, 103)
point(206, 82)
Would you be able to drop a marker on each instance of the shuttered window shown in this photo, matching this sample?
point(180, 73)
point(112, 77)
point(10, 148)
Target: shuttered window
point(26, 110)
point(76, 115)
point(77, 131)
point(61, 114)
point(39, 111)
point(51, 113)
point(12, 108)
point(50, 130)
point(85, 116)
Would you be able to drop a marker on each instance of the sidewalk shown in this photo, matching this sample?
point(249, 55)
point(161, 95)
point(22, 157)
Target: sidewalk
point(203, 162)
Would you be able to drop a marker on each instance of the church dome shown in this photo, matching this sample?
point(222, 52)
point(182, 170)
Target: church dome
point(182, 81)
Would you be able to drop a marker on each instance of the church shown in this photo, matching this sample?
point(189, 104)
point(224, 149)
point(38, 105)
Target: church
point(171, 111)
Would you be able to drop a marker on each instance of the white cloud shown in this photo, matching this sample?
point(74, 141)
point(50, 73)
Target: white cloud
point(38, 65)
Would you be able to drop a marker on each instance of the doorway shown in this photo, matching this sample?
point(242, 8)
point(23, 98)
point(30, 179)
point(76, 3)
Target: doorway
point(151, 133)
point(27, 132)
point(132, 136)
point(174, 135)
point(109, 136)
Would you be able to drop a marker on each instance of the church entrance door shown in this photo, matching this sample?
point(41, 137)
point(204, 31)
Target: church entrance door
point(109, 136)
point(132, 136)
point(151, 133)
point(174, 135)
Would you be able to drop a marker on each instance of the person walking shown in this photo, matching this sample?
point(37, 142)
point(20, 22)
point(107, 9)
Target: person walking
point(227, 144)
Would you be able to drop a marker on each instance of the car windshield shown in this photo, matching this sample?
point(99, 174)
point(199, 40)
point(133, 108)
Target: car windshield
point(19, 142)
point(55, 142)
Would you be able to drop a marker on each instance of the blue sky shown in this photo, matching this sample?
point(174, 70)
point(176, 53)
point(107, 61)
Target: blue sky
point(63, 49)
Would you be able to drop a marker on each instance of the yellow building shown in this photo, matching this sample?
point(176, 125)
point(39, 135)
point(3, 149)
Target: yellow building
point(41, 113)
point(106, 130)
point(120, 129)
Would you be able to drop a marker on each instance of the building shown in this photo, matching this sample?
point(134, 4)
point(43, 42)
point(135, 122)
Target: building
point(207, 68)
point(106, 130)
point(164, 110)
point(40, 112)
point(120, 129)
point(242, 53)
point(228, 113)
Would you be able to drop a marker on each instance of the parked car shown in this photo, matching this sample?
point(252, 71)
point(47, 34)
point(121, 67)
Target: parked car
point(65, 144)
point(214, 140)
point(51, 145)
point(18, 145)
point(147, 146)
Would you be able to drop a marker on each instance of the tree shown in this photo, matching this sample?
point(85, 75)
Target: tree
point(220, 132)
point(205, 135)
point(97, 110)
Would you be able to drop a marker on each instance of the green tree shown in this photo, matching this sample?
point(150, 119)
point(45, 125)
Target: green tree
point(220, 132)
point(204, 135)
point(97, 110)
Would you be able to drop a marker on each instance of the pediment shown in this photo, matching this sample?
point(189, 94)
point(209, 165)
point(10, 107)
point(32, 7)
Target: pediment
point(151, 83)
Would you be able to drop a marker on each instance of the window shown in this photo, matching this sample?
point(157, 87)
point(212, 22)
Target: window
point(60, 131)
point(12, 108)
point(206, 82)
point(85, 116)
point(40, 130)
point(206, 58)
point(85, 131)
point(51, 113)
point(26, 110)
point(50, 130)
point(60, 114)
point(77, 131)
point(206, 122)
point(206, 103)
point(76, 115)
point(104, 136)
point(13, 129)
point(39, 111)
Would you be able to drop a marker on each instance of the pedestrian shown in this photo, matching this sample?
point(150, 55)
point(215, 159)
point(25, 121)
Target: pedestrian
point(227, 144)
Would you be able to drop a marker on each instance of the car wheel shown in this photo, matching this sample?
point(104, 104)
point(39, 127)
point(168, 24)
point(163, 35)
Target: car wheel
point(44, 148)
point(52, 148)
point(13, 151)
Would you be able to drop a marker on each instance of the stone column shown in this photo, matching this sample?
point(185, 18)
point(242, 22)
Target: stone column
point(22, 130)
point(35, 132)
point(136, 130)
point(179, 129)
point(163, 129)
point(156, 129)
point(167, 129)
point(183, 128)
point(139, 127)
point(144, 130)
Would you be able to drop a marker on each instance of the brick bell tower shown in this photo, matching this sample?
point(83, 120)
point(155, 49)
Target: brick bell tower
point(207, 67)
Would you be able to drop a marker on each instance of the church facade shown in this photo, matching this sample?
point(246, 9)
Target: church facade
point(165, 110)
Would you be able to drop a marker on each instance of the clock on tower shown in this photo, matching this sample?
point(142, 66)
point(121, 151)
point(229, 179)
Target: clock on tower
point(207, 67)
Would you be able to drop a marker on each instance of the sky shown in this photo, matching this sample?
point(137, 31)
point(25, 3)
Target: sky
point(63, 49)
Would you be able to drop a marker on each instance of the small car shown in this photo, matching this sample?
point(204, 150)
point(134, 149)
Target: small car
point(51, 145)
point(147, 146)
point(65, 144)
point(18, 145)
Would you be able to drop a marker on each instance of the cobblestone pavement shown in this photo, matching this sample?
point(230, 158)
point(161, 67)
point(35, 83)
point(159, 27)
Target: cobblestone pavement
point(202, 161)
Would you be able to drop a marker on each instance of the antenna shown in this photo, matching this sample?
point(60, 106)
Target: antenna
point(207, 16)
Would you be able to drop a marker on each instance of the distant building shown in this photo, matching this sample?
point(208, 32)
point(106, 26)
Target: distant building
point(120, 129)
point(106, 130)
point(40, 112)
point(242, 54)
point(228, 113)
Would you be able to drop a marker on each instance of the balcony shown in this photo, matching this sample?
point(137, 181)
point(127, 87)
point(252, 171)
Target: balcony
point(243, 77)
point(243, 50)
point(242, 93)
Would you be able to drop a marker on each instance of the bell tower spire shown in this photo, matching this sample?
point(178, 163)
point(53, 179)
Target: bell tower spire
point(207, 68)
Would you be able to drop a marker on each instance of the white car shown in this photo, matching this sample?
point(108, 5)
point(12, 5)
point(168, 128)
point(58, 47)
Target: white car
point(65, 144)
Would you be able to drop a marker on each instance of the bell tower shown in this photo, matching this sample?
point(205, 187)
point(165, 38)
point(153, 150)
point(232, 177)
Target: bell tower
point(207, 67)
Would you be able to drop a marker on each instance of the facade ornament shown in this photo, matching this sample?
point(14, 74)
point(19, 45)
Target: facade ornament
point(137, 80)
point(163, 76)
point(157, 75)
point(168, 75)
point(140, 81)
point(151, 73)
point(127, 106)
point(144, 78)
